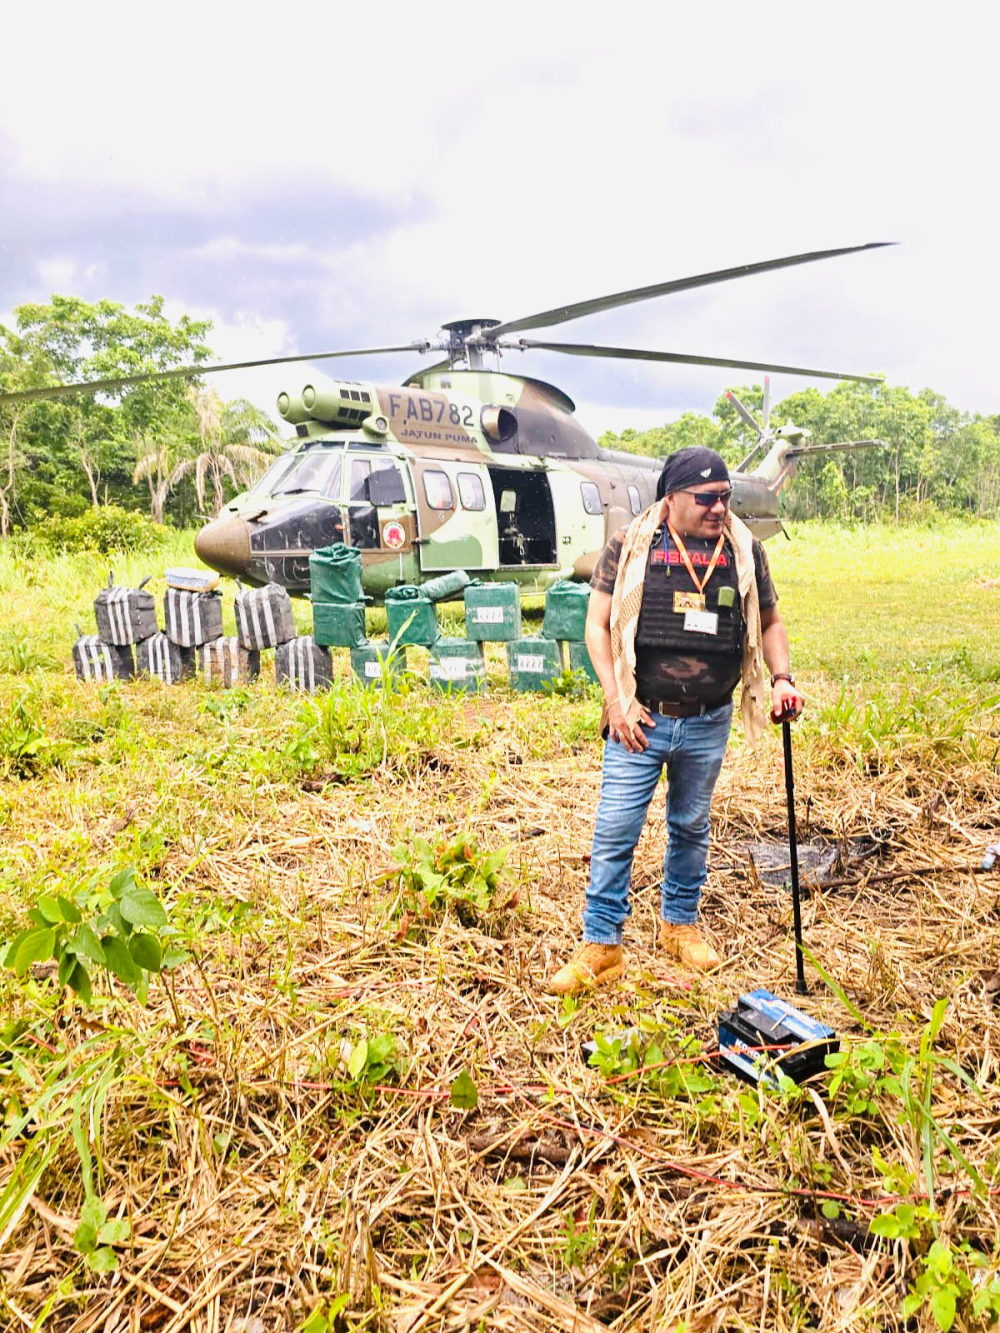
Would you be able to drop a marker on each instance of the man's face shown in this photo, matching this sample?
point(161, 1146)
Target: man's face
point(692, 519)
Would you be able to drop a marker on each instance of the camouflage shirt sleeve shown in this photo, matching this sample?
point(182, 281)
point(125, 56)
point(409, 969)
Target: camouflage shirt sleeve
point(606, 570)
point(766, 594)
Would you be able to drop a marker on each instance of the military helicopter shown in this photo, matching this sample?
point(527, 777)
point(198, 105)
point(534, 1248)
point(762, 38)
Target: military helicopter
point(465, 467)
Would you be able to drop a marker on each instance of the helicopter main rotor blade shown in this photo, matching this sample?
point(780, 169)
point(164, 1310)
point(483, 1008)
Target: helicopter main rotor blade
point(560, 314)
point(192, 372)
point(681, 358)
point(745, 413)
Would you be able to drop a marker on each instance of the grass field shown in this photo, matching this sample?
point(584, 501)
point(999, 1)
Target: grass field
point(324, 1088)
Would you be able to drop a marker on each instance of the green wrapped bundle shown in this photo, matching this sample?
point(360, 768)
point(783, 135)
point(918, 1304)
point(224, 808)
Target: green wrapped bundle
point(493, 612)
point(579, 660)
point(335, 575)
point(458, 664)
point(412, 618)
point(532, 662)
point(336, 625)
point(367, 658)
point(445, 586)
point(566, 611)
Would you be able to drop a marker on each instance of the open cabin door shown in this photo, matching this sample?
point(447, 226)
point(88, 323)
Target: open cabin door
point(526, 524)
point(456, 516)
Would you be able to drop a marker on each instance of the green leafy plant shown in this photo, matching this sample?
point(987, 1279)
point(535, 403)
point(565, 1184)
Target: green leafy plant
point(579, 1243)
point(118, 928)
point(567, 685)
point(101, 531)
point(367, 1062)
point(25, 749)
point(434, 876)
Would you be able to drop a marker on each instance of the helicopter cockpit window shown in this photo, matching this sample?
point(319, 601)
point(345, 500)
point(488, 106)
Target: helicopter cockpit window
point(470, 491)
point(437, 489)
point(634, 500)
point(591, 497)
point(265, 485)
point(314, 472)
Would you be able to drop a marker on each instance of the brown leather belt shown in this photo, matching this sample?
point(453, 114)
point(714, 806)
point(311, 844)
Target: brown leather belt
point(666, 709)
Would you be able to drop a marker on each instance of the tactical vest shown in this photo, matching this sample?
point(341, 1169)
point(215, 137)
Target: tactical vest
point(661, 628)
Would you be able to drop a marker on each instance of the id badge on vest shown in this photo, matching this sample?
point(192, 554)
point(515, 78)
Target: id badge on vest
point(701, 622)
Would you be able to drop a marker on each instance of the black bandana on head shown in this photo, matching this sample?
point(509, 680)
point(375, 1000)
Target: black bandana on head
point(690, 467)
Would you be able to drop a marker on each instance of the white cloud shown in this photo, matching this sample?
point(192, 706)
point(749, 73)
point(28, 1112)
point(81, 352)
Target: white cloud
point(547, 153)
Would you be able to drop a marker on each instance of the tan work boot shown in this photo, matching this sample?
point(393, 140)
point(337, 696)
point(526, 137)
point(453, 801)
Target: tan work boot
point(686, 944)
point(592, 965)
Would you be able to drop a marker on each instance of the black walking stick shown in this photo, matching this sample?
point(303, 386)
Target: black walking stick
point(786, 737)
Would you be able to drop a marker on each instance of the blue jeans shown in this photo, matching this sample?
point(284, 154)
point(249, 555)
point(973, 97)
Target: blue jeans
point(692, 750)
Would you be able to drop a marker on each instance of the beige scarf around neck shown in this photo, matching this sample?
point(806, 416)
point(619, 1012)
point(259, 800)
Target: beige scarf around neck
point(626, 601)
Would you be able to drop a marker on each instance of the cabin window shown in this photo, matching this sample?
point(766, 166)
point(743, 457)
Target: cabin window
point(591, 497)
point(361, 470)
point(313, 473)
point(437, 489)
point(634, 500)
point(470, 491)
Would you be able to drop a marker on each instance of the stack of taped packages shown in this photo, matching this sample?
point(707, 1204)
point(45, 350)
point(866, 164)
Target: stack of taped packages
point(125, 617)
point(192, 615)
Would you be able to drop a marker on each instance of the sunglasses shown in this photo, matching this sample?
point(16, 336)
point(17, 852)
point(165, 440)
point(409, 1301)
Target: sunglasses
point(709, 498)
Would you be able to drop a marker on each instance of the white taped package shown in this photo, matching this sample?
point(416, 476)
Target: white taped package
point(164, 660)
point(192, 618)
point(125, 615)
point(264, 616)
point(227, 663)
point(304, 665)
point(99, 662)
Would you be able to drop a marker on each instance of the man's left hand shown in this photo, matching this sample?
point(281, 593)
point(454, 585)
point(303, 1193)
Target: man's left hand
point(786, 702)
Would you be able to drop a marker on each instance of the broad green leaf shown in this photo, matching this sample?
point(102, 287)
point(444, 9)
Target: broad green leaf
point(70, 911)
point(831, 1210)
point(103, 1260)
point(50, 909)
point(884, 1225)
point(66, 965)
point(119, 961)
point(358, 1059)
point(146, 952)
point(85, 1238)
point(142, 907)
point(80, 982)
point(121, 882)
point(10, 953)
point(174, 957)
point(116, 919)
point(85, 942)
point(35, 947)
point(943, 1308)
point(464, 1093)
point(115, 1232)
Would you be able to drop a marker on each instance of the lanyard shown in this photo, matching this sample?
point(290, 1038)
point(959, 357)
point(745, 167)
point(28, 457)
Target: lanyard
point(682, 551)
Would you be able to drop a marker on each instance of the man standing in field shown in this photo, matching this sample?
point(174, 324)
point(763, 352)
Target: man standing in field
point(682, 608)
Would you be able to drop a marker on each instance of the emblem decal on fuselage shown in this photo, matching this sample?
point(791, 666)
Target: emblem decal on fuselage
point(393, 535)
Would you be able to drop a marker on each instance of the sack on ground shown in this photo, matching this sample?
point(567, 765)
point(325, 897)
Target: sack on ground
point(101, 662)
point(162, 659)
point(264, 616)
point(125, 615)
point(192, 618)
point(303, 665)
point(227, 663)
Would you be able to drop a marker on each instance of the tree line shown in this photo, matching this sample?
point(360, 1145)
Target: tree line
point(935, 456)
point(178, 451)
point(172, 448)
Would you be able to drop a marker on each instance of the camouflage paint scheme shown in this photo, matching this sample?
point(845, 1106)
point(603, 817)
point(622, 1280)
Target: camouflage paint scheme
point(548, 497)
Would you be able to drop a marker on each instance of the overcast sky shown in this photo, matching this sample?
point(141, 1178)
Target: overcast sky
point(314, 177)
